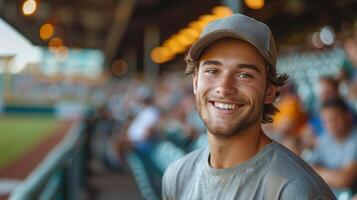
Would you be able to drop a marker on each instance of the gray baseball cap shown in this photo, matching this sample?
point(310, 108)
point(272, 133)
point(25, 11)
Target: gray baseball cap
point(241, 27)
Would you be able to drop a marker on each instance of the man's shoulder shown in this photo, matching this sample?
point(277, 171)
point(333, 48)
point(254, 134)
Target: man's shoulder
point(298, 175)
point(307, 188)
point(188, 161)
point(288, 163)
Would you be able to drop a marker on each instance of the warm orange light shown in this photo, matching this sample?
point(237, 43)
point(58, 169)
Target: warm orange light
point(174, 46)
point(222, 11)
point(46, 31)
point(197, 25)
point(29, 7)
point(54, 44)
point(190, 33)
point(207, 18)
point(182, 40)
point(161, 55)
point(167, 53)
point(254, 4)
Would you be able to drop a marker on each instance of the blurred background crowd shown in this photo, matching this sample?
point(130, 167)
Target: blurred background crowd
point(117, 68)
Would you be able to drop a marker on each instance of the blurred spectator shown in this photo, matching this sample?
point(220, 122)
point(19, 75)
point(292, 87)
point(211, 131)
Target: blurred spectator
point(352, 95)
point(180, 124)
point(335, 156)
point(140, 129)
point(140, 133)
point(350, 47)
point(105, 121)
point(104, 125)
point(290, 121)
point(348, 75)
point(327, 88)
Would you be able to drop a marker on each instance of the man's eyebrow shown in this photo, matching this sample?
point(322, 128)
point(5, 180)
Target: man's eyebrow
point(249, 66)
point(217, 63)
point(211, 62)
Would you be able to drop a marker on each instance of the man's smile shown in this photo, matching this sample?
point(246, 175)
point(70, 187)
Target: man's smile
point(225, 105)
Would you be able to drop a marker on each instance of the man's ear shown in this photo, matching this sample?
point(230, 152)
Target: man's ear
point(194, 82)
point(270, 94)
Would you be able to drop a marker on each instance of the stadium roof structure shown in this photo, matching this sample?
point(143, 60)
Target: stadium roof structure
point(118, 26)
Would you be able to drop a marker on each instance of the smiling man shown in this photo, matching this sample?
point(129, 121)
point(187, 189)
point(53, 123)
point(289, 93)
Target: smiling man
point(235, 83)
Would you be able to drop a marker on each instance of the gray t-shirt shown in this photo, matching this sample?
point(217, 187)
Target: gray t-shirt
point(273, 173)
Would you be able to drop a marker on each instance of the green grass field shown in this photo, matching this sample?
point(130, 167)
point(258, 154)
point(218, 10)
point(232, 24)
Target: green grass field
point(18, 134)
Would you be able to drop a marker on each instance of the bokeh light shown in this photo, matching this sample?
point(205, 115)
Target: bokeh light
point(119, 67)
point(197, 25)
point(190, 33)
point(29, 7)
point(161, 54)
point(46, 31)
point(327, 35)
point(173, 45)
point(316, 41)
point(205, 19)
point(180, 41)
point(222, 11)
point(54, 44)
point(254, 4)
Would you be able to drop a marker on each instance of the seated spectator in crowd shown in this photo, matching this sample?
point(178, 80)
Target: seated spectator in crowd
point(352, 95)
point(328, 87)
point(139, 133)
point(290, 121)
point(102, 125)
point(348, 76)
point(181, 124)
point(335, 155)
point(350, 63)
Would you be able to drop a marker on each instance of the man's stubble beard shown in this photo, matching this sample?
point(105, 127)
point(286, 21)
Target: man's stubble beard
point(234, 130)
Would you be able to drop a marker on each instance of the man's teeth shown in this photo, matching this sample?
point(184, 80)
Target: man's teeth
point(225, 106)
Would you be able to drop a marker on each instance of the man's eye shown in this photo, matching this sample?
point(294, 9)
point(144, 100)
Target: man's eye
point(244, 75)
point(211, 71)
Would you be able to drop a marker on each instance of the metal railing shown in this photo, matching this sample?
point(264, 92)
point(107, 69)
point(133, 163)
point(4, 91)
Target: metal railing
point(61, 174)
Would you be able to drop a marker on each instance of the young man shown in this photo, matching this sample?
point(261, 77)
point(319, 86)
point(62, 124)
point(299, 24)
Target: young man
point(235, 83)
point(335, 156)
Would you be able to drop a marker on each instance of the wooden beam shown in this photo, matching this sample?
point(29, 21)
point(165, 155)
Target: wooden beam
point(122, 15)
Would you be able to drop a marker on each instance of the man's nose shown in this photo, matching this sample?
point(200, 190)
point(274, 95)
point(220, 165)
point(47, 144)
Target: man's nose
point(226, 85)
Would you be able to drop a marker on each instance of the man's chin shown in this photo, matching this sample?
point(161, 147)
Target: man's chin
point(221, 132)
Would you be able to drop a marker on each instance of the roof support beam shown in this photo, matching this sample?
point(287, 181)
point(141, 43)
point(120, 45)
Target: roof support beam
point(122, 15)
point(151, 40)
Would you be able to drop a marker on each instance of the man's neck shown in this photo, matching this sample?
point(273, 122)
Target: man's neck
point(230, 151)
